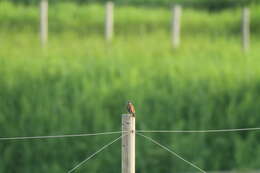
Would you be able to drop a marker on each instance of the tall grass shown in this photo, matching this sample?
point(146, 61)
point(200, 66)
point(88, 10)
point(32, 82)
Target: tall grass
point(89, 19)
point(80, 84)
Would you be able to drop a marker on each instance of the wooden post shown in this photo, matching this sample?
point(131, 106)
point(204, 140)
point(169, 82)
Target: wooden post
point(246, 29)
point(109, 21)
point(44, 22)
point(176, 25)
point(128, 143)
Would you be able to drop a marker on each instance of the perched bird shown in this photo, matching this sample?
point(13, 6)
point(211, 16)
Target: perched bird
point(130, 108)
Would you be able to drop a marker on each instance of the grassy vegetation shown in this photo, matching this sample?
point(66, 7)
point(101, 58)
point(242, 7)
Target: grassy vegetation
point(206, 4)
point(80, 84)
point(89, 19)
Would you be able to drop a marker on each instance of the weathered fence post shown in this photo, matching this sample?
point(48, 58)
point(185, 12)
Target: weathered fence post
point(109, 21)
point(176, 25)
point(44, 22)
point(245, 29)
point(128, 143)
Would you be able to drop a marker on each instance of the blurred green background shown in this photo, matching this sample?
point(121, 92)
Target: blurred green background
point(80, 84)
point(208, 4)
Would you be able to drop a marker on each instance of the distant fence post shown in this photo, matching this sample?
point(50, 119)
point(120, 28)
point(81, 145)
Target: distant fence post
point(109, 21)
point(128, 143)
point(176, 25)
point(245, 29)
point(43, 22)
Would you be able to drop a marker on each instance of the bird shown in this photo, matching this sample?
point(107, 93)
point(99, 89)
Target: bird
point(130, 108)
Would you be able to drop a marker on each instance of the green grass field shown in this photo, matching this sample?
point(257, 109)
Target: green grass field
point(79, 83)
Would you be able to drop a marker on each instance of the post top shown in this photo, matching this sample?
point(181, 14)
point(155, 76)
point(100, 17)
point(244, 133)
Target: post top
point(126, 114)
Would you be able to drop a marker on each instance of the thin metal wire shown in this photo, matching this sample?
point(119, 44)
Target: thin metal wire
point(59, 136)
point(139, 131)
point(92, 155)
point(172, 152)
point(198, 131)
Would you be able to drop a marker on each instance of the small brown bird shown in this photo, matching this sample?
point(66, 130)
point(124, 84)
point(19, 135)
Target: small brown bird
point(130, 108)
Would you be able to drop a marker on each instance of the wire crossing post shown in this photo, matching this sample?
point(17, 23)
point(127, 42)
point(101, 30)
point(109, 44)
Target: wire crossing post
point(109, 21)
point(128, 143)
point(176, 25)
point(43, 22)
point(246, 29)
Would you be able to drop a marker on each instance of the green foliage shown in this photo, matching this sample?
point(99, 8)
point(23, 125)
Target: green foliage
point(89, 19)
point(206, 4)
point(80, 84)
